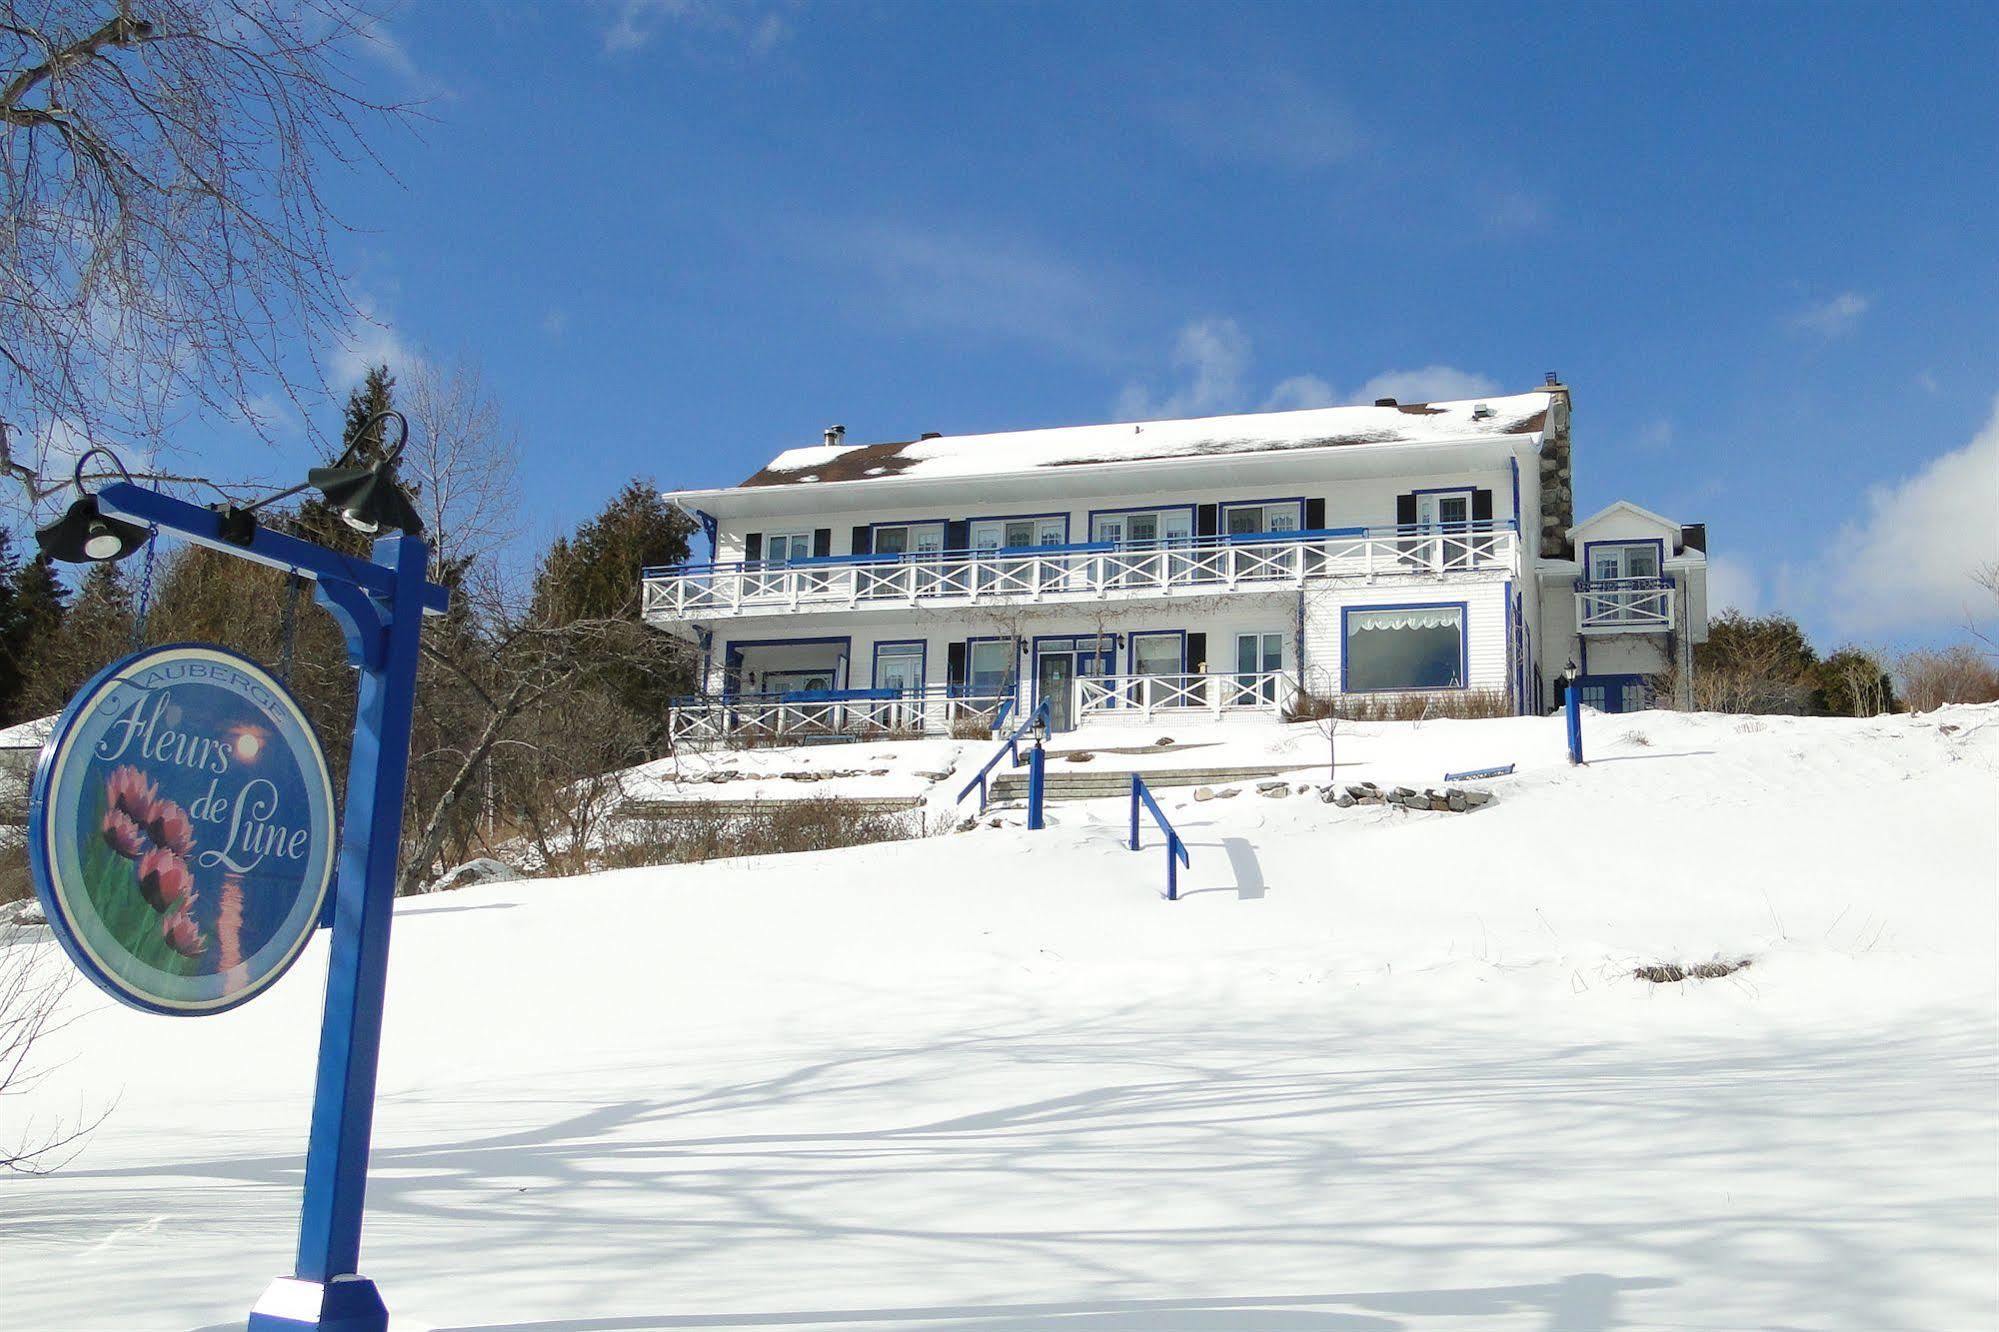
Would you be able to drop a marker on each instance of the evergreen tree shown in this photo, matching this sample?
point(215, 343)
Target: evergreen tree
point(39, 604)
point(595, 573)
point(315, 520)
point(94, 631)
point(11, 622)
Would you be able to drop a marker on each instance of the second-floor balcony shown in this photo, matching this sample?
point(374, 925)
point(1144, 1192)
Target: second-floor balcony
point(1205, 566)
point(1624, 605)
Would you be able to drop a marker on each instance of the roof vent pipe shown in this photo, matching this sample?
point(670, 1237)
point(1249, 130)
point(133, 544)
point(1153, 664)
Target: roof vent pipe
point(834, 434)
point(1384, 402)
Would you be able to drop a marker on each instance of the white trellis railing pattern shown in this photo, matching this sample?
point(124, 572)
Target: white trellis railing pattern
point(1200, 567)
point(806, 715)
point(1141, 697)
point(1624, 605)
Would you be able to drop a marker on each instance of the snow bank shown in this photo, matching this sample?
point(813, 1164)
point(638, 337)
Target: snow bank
point(1377, 1070)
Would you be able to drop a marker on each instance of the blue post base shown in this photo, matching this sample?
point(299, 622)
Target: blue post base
point(1037, 776)
point(345, 1304)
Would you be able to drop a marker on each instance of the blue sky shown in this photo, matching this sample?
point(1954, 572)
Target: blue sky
point(1757, 241)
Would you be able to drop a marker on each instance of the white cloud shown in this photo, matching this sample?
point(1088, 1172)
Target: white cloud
point(1909, 562)
point(1432, 383)
point(1833, 318)
point(371, 341)
point(1276, 119)
point(1926, 380)
point(1213, 358)
point(1654, 435)
point(758, 25)
point(555, 323)
point(1732, 585)
point(1300, 392)
point(938, 277)
point(1212, 355)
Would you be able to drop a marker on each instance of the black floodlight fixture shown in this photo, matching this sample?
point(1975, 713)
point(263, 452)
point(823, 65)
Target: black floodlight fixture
point(367, 497)
point(87, 535)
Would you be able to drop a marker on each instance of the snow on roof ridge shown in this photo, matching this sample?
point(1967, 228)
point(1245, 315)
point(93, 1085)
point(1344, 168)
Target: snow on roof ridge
point(1129, 441)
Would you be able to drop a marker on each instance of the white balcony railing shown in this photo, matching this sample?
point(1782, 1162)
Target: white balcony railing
point(1142, 697)
point(1204, 567)
point(1624, 605)
point(803, 716)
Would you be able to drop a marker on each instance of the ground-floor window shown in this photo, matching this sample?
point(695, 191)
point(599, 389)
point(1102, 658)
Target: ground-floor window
point(989, 668)
point(1404, 647)
point(1257, 656)
point(899, 666)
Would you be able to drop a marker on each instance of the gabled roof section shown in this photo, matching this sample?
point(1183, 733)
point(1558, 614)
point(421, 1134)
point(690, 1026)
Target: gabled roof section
point(1023, 451)
point(1627, 507)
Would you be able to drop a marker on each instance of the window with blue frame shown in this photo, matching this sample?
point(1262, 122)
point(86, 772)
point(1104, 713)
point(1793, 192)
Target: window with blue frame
point(1408, 647)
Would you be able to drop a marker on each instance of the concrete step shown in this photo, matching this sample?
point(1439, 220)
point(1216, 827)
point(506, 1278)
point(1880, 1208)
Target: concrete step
point(1106, 782)
point(698, 808)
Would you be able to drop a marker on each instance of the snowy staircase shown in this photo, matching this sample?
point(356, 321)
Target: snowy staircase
point(1099, 783)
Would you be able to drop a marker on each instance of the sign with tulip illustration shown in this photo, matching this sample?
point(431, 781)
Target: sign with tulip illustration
point(182, 829)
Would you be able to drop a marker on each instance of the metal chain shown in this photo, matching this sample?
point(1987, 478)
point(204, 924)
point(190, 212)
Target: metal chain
point(143, 605)
point(288, 628)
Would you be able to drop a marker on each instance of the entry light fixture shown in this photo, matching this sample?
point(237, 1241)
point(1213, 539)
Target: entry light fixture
point(86, 534)
point(367, 497)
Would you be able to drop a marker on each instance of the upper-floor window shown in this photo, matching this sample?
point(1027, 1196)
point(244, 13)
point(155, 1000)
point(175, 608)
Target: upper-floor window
point(1443, 508)
point(1018, 533)
point(1257, 519)
point(782, 546)
point(1635, 559)
point(1143, 526)
point(909, 539)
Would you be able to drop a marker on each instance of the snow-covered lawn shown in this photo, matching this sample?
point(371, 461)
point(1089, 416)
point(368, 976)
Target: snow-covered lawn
point(1377, 1070)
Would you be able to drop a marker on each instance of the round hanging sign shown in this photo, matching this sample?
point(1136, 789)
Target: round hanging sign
point(181, 830)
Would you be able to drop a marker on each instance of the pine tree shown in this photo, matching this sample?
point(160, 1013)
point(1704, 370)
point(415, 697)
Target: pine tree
point(94, 631)
point(40, 602)
point(11, 624)
point(315, 519)
point(595, 574)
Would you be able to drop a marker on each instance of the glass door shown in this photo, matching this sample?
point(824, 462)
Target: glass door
point(1258, 657)
point(1054, 672)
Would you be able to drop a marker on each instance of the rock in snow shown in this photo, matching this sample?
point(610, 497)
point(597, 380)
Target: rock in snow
point(472, 872)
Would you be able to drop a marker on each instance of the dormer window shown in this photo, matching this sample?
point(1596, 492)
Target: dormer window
point(1610, 561)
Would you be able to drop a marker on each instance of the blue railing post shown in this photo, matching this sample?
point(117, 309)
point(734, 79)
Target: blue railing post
point(1037, 765)
point(1172, 867)
point(1134, 810)
point(1573, 705)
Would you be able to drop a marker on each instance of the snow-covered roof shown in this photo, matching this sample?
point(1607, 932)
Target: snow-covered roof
point(1019, 451)
point(1625, 507)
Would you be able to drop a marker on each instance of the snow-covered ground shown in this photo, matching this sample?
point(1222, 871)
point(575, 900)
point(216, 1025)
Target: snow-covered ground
point(1377, 1070)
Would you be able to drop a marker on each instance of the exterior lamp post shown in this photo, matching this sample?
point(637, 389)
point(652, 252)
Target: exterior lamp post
point(1037, 776)
point(1572, 705)
point(379, 602)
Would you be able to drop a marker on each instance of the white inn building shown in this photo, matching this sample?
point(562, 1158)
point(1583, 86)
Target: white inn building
point(1170, 568)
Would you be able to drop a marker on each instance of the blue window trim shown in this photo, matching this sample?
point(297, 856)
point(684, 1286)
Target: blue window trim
point(1188, 509)
point(732, 651)
point(1657, 543)
point(1513, 465)
point(944, 523)
point(1016, 518)
point(922, 647)
point(1131, 647)
point(1464, 645)
point(1222, 511)
point(1013, 663)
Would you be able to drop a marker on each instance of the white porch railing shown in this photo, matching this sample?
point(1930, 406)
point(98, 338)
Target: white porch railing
point(1076, 573)
point(1624, 605)
point(1141, 697)
point(828, 714)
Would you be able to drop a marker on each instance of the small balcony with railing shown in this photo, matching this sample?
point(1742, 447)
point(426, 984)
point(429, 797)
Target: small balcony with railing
point(1199, 567)
point(1624, 605)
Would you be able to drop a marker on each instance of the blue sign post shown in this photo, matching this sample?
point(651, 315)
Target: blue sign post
point(379, 604)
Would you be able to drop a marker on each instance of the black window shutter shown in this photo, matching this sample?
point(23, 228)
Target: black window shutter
point(1205, 518)
point(822, 541)
point(954, 663)
point(957, 535)
point(1481, 506)
point(864, 540)
point(1405, 510)
point(1197, 651)
point(753, 546)
point(1315, 515)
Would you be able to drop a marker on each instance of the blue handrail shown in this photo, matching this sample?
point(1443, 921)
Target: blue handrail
point(1176, 850)
point(1005, 711)
point(1009, 748)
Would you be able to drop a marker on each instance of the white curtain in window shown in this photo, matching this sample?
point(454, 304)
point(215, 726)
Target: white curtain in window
point(1421, 617)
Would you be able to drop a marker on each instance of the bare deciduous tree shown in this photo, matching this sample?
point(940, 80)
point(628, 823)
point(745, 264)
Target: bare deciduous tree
point(165, 242)
point(32, 986)
point(461, 460)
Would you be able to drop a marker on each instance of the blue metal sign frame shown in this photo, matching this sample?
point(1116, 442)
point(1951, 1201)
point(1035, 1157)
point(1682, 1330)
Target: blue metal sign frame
point(379, 604)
